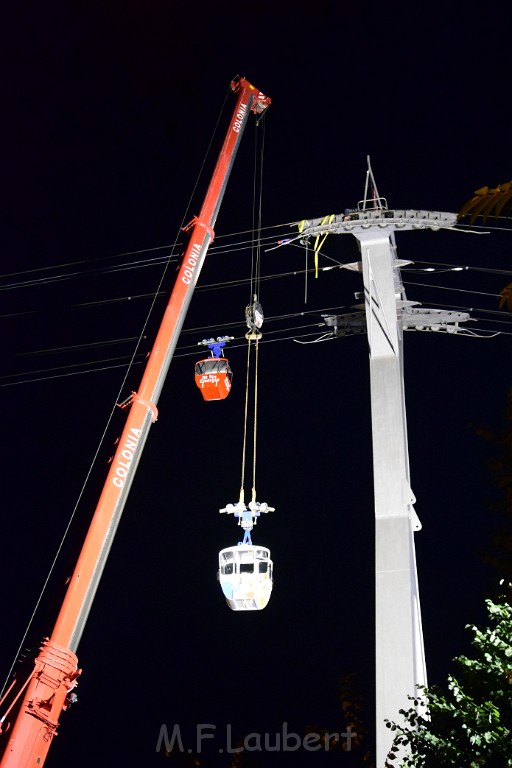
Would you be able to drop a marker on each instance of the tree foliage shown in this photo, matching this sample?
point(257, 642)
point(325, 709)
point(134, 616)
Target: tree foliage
point(469, 725)
point(505, 296)
point(486, 201)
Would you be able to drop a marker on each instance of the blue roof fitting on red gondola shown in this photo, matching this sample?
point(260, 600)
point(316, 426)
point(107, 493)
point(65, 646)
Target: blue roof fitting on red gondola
point(216, 345)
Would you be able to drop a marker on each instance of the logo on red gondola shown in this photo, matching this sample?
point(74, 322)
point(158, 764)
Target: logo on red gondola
point(209, 378)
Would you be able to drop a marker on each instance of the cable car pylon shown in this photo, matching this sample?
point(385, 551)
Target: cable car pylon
point(400, 668)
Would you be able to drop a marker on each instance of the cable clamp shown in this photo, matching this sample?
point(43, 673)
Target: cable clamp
point(197, 220)
point(135, 397)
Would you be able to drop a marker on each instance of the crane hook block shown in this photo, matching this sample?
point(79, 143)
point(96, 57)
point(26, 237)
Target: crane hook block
point(254, 319)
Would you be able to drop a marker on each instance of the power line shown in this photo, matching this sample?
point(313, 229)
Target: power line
point(93, 270)
point(117, 362)
point(224, 248)
point(450, 288)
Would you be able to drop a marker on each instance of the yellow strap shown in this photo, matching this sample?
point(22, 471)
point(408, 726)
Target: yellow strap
point(318, 243)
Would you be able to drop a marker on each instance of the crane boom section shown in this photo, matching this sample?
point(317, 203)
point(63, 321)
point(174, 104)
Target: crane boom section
point(48, 690)
point(80, 594)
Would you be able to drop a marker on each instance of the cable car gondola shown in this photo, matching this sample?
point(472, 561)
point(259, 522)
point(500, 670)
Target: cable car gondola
point(245, 570)
point(214, 376)
point(245, 576)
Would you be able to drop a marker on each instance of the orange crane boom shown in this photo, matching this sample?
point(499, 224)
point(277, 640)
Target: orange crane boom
point(49, 687)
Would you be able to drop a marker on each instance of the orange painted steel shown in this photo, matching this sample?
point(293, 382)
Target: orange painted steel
point(50, 689)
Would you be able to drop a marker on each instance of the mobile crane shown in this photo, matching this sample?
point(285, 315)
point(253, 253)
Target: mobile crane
point(49, 689)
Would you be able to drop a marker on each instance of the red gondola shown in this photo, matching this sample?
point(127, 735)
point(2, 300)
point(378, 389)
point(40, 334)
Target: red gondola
point(213, 377)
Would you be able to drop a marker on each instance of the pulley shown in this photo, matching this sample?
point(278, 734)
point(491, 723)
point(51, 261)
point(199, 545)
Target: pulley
point(254, 319)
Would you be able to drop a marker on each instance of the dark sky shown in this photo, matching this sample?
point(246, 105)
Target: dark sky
point(108, 110)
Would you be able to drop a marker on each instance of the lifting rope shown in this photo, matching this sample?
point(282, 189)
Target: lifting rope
point(254, 320)
point(251, 337)
point(244, 445)
point(247, 515)
point(255, 418)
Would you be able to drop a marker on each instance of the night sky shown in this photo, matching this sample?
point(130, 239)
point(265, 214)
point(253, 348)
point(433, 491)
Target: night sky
point(108, 112)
